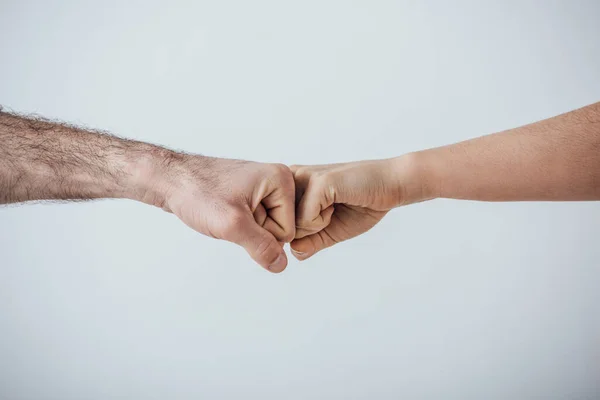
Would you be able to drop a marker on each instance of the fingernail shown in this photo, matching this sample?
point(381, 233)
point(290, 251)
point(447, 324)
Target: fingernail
point(299, 254)
point(278, 265)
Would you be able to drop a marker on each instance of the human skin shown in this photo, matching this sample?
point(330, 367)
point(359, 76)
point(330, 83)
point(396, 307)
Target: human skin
point(248, 203)
point(252, 204)
point(557, 159)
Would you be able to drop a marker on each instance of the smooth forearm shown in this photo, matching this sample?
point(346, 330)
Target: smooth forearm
point(554, 159)
point(44, 160)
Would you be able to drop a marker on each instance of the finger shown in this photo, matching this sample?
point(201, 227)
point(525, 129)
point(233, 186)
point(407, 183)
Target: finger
point(260, 215)
point(262, 246)
point(262, 218)
point(322, 221)
point(311, 244)
point(303, 173)
point(316, 205)
point(346, 223)
point(279, 204)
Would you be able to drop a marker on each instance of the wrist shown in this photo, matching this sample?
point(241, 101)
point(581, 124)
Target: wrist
point(415, 178)
point(148, 175)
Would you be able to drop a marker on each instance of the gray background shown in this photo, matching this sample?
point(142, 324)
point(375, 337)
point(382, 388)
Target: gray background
point(442, 300)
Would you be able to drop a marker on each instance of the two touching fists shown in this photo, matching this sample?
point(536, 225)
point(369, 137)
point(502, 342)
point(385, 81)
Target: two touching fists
point(263, 206)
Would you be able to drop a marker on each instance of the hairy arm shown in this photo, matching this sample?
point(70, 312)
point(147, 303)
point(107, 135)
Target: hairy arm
point(248, 203)
point(554, 159)
point(45, 160)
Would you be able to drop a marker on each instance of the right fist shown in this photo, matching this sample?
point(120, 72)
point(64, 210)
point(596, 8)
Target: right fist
point(248, 203)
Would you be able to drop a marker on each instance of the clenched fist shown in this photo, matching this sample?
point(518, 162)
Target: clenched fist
point(340, 201)
point(248, 203)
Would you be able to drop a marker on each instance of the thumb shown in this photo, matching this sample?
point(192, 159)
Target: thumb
point(307, 246)
point(262, 246)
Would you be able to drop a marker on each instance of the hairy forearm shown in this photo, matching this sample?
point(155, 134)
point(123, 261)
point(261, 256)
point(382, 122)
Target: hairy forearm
point(45, 160)
point(554, 159)
point(248, 203)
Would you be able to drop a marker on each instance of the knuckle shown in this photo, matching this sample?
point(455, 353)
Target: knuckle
point(295, 168)
point(280, 175)
point(299, 170)
point(281, 169)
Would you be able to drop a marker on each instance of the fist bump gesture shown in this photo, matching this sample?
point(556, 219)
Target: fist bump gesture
point(255, 205)
point(263, 206)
